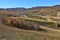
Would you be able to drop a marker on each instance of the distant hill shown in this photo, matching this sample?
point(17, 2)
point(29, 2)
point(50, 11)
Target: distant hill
point(43, 10)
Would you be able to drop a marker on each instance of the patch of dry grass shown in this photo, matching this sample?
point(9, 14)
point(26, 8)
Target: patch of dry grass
point(10, 33)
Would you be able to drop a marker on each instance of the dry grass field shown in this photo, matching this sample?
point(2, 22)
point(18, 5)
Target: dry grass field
point(11, 33)
point(8, 32)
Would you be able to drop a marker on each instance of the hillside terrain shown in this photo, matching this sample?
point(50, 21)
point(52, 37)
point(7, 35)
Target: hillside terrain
point(43, 10)
point(30, 17)
point(11, 33)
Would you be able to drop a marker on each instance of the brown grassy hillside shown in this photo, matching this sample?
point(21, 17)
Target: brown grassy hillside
point(12, 33)
point(34, 10)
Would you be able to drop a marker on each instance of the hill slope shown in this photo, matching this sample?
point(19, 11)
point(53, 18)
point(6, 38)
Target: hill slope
point(11, 33)
point(45, 10)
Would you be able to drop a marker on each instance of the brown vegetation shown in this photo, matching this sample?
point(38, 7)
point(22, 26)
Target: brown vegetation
point(28, 23)
point(46, 31)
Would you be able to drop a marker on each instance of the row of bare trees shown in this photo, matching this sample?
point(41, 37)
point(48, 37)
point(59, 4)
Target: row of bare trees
point(24, 24)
